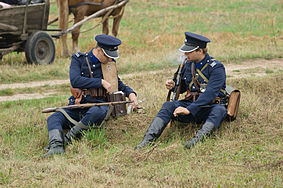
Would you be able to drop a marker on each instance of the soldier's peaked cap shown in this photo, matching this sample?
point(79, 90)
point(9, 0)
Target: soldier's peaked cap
point(109, 45)
point(194, 41)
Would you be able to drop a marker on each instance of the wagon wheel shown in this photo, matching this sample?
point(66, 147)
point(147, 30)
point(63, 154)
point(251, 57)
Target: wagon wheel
point(40, 48)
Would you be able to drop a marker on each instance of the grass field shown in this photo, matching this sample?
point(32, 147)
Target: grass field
point(244, 153)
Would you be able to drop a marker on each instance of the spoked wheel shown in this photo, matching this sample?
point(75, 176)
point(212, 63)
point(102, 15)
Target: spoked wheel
point(40, 48)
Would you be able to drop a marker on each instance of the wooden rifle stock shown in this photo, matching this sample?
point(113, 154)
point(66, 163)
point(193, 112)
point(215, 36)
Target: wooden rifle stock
point(87, 105)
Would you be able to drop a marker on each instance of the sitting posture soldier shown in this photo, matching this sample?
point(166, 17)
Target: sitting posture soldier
point(89, 85)
point(204, 79)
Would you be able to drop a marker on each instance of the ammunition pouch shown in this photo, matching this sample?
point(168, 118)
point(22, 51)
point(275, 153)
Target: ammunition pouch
point(192, 95)
point(93, 92)
point(119, 109)
point(233, 104)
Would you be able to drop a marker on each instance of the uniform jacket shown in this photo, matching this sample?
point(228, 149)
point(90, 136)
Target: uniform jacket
point(214, 72)
point(80, 76)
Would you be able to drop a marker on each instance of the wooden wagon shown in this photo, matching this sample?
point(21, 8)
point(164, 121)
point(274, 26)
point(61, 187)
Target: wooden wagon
point(22, 29)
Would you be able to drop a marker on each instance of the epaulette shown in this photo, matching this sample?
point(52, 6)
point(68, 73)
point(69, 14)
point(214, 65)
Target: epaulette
point(78, 54)
point(212, 62)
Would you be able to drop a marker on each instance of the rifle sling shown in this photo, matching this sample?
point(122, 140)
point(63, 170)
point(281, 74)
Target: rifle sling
point(72, 120)
point(90, 73)
point(111, 107)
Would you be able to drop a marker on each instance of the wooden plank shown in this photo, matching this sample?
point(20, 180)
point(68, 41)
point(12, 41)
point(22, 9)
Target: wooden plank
point(14, 16)
point(7, 27)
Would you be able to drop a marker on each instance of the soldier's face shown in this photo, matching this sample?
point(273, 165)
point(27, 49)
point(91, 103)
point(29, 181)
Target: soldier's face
point(195, 56)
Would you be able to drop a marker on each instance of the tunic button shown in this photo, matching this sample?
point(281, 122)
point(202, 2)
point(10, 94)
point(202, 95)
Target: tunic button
point(91, 72)
point(93, 65)
point(82, 73)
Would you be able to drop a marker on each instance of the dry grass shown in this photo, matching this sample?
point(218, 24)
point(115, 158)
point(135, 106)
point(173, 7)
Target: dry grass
point(246, 152)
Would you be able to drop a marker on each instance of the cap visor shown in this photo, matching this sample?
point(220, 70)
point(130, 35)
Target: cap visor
point(186, 48)
point(111, 54)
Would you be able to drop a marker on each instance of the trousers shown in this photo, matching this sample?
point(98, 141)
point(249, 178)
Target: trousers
point(89, 117)
point(214, 113)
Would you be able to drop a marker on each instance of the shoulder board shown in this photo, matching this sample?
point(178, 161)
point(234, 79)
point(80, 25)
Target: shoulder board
point(212, 62)
point(78, 54)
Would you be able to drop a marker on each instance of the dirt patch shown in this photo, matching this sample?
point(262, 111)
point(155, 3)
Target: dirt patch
point(255, 67)
point(33, 84)
point(25, 96)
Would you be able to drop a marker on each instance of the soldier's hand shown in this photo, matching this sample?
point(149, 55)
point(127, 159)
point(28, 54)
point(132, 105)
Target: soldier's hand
point(133, 98)
point(181, 111)
point(106, 86)
point(170, 84)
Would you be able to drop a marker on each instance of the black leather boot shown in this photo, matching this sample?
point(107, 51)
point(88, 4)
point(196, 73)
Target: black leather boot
point(153, 132)
point(56, 143)
point(74, 133)
point(201, 135)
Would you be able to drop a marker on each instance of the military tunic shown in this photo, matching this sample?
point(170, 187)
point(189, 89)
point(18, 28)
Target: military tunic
point(201, 110)
point(80, 78)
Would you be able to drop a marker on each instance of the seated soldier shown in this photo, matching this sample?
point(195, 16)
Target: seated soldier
point(86, 73)
point(203, 88)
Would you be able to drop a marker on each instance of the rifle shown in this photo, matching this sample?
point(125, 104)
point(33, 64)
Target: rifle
point(177, 78)
point(87, 105)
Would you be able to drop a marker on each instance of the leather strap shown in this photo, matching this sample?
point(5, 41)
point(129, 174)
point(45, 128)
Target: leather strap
point(72, 120)
point(194, 77)
point(81, 125)
point(90, 73)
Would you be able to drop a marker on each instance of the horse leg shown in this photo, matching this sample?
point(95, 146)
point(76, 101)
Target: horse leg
point(78, 16)
point(116, 23)
point(63, 9)
point(105, 29)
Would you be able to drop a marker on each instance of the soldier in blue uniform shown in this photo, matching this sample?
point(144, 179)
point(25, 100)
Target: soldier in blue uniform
point(204, 101)
point(86, 73)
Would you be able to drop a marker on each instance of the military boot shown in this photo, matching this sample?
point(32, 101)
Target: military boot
point(74, 133)
point(201, 135)
point(56, 143)
point(153, 132)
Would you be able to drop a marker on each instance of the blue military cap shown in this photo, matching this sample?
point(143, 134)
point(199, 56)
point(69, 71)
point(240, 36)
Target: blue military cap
point(109, 45)
point(194, 41)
